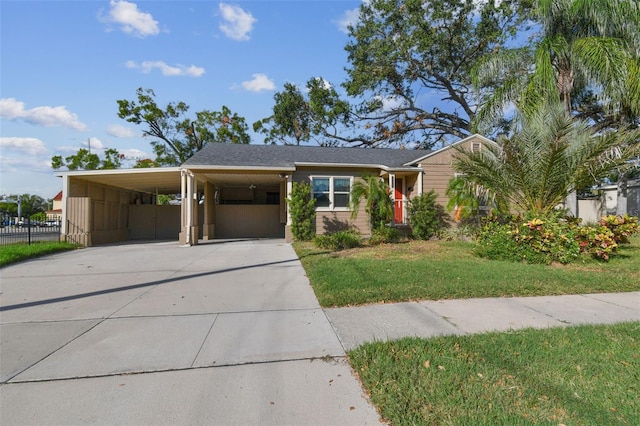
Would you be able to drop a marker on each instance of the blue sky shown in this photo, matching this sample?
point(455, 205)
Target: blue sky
point(64, 64)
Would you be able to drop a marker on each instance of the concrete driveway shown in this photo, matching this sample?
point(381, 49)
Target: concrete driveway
point(220, 333)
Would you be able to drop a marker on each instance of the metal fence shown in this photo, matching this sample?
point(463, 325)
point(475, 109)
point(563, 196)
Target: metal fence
point(27, 231)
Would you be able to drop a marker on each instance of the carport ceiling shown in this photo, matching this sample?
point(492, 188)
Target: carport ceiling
point(227, 179)
point(164, 180)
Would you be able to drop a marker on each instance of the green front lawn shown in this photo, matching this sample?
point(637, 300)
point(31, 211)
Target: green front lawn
point(449, 270)
point(587, 375)
point(17, 252)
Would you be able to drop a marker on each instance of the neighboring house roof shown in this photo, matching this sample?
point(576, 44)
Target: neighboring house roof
point(290, 156)
point(58, 197)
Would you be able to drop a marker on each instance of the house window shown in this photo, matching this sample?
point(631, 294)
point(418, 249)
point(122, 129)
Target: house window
point(331, 193)
point(476, 146)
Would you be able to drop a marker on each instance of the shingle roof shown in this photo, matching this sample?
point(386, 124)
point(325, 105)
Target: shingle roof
point(222, 154)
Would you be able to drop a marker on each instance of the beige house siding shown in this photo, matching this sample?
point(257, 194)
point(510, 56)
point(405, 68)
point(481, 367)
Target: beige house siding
point(329, 221)
point(438, 168)
point(436, 177)
point(150, 222)
point(100, 214)
point(248, 221)
point(79, 220)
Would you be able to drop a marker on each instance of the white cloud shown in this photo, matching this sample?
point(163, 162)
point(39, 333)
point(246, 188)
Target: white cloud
point(237, 23)
point(46, 116)
point(93, 144)
point(132, 20)
point(390, 103)
point(20, 164)
point(259, 83)
point(30, 146)
point(120, 131)
point(167, 70)
point(349, 17)
point(134, 153)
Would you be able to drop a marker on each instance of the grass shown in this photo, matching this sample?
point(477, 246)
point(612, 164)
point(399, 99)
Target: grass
point(587, 375)
point(449, 270)
point(18, 252)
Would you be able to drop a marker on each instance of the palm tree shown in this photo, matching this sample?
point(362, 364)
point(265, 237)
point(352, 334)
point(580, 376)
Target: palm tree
point(378, 205)
point(586, 46)
point(549, 156)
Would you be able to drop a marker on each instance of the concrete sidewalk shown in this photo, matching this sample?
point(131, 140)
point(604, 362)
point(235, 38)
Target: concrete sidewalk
point(221, 333)
point(381, 322)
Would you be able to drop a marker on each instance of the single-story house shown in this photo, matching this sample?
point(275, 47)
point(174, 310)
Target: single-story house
point(240, 191)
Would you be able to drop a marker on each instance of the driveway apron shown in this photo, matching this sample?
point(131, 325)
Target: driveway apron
point(226, 332)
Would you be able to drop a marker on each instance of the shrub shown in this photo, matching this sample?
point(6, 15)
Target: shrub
point(622, 227)
point(530, 239)
point(553, 238)
point(302, 208)
point(340, 240)
point(383, 235)
point(427, 217)
point(598, 241)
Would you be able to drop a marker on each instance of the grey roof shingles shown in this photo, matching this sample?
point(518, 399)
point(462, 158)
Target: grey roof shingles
point(239, 155)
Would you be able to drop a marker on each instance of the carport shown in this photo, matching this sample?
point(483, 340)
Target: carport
point(109, 206)
point(234, 203)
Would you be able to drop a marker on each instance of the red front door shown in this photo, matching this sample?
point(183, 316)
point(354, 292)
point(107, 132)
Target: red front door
point(398, 216)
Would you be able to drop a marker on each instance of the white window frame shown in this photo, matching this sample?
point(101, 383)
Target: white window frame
point(332, 207)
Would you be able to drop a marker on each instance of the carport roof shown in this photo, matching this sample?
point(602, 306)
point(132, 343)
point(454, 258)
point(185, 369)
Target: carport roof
point(274, 156)
point(163, 180)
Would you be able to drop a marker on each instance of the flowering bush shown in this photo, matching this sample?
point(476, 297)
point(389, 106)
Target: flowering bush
point(622, 227)
point(537, 239)
point(597, 241)
point(534, 240)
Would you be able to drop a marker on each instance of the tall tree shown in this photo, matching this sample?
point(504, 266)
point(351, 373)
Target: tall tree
point(409, 75)
point(587, 57)
point(318, 115)
point(549, 156)
point(413, 59)
point(86, 160)
point(29, 204)
point(289, 123)
point(175, 137)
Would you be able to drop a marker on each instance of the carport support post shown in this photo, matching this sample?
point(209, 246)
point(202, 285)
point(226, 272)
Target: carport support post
point(189, 233)
point(287, 228)
point(209, 231)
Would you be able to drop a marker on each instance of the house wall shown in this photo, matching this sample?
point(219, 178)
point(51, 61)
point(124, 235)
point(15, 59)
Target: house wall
point(79, 221)
point(248, 221)
point(327, 222)
point(150, 221)
point(438, 170)
point(101, 214)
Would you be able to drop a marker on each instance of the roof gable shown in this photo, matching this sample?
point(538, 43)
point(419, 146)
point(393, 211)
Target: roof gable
point(460, 142)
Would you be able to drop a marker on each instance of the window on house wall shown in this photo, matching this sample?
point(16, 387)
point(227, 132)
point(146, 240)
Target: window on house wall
point(476, 146)
point(331, 193)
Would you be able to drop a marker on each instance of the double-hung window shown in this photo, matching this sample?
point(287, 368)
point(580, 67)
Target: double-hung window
point(331, 193)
